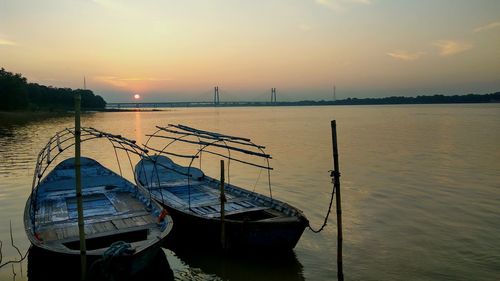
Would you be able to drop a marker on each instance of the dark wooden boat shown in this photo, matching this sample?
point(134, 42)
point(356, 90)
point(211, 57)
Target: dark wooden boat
point(115, 210)
point(251, 220)
point(44, 265)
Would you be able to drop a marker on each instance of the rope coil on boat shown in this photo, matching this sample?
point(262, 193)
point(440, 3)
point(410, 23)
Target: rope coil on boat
point(333, 175)
point(106, 267)
point(118, 248)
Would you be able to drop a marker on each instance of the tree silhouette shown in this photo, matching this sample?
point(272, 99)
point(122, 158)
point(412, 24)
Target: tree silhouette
point(16, 93)
point(12, 91)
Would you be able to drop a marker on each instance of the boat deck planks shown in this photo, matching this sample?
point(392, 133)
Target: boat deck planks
point(106, 211)
point(114, 209)
point(252, 220)
point(205, 200)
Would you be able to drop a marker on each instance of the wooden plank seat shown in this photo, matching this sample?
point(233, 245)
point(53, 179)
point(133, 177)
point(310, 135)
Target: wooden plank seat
point(234, 212)
point(105, 211)
point(95, 203)
point(213, 211)
point(195, 194)
point(96, 228)
point(242, 202)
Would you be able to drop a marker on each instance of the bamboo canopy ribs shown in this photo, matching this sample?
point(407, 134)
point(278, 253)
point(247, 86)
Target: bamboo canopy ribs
point(244, 220)
point(116, 212)
point(108, 215)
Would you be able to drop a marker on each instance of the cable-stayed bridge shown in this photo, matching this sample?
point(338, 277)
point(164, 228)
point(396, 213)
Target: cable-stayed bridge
point(206, 100)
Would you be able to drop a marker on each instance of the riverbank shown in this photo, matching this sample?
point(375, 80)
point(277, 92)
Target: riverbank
point(394, 100)
point(27, 115)
point(130, 110)
point(31, 115)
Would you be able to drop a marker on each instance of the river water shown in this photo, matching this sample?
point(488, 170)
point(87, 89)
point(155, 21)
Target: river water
point(420, 187)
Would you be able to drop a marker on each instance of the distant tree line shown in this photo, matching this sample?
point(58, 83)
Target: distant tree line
point(435, 99)
point(469, 98)
point(17, 94)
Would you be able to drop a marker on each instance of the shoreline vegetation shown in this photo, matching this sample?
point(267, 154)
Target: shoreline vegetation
point(20, 99)
point(394, 100)
point(434, 99)
point(22, 117)
point(16, 94)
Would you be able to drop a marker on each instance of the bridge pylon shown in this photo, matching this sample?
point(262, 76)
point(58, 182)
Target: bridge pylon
point(216, 96)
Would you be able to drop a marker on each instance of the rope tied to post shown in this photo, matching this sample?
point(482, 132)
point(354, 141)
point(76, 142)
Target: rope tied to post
point(334, 175)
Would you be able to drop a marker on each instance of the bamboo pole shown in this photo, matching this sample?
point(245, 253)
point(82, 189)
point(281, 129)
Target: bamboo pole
point(78, 179)
point(222, 202)
point(336, 173)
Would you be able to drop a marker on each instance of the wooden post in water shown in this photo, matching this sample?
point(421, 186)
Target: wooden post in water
point(78, 179)
point(222, 202)
point(336, 174)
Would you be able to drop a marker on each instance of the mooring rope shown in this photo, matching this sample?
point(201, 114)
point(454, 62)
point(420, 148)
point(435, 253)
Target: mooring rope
point(118, 248)
point(332, 174)
point(103, 266)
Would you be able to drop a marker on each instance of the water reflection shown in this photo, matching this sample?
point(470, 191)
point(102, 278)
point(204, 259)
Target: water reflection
point(138, 128)
point(16, 119)
point(6, 131)
point(424, 209)
point(240, 266)
point(43, 265)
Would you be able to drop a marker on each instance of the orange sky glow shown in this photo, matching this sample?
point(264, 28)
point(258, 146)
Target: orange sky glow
point(180, 50)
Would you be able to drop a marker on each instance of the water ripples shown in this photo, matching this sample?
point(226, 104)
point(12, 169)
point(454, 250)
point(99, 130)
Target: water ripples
point(420, 184)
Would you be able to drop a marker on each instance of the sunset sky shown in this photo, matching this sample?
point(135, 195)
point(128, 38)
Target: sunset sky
point(178, 50)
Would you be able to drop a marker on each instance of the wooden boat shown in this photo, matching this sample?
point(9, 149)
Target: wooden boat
point(250, 220)
point(44, 265)
point(115, 210)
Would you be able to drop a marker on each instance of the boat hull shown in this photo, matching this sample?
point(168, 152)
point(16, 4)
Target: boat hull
point(123, 264)
point(252, 221)
point(121, 223)
point(47, 265)
point(249, 235)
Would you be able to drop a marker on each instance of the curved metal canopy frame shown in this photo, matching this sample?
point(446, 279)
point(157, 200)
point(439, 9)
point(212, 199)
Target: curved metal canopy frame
point(65, 139)
point(206, 140)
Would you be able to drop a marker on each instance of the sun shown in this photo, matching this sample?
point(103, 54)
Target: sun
point(137, 96)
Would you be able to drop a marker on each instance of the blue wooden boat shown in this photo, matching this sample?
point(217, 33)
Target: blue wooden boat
point(250, 220)
point(117, 213)
point(44, 265)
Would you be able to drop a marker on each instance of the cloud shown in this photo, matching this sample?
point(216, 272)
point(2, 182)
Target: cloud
point(449, 47)
point(5, 42)
point(488, 26)
point(337, 5)
point(144, 79)
point(405, 55)
point(104, 3)
point(332, 5)
point(112, 80)
point(360, 1)
point(127, 81)
point(114, 6)
point(304, 27)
